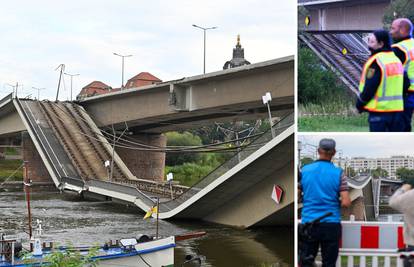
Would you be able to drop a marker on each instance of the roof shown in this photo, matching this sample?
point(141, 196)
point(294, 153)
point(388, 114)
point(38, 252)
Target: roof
point(98, 85)
point(145, 76)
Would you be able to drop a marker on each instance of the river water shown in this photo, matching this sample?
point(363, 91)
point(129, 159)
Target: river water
point(68, 219)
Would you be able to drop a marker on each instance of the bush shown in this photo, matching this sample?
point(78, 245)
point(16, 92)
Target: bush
point(182, 139)
point(189, 173)
point(401, 9)
point(317, 84)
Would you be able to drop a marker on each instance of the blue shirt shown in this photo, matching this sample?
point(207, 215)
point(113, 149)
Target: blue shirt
point(320, 184)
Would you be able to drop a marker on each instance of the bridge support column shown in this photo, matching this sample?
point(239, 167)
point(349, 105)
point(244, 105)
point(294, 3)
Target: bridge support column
point(2, 149)
point(36, 170)
point(144, 164)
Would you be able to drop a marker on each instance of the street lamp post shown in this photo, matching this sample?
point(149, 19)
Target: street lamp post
point(123, 58)
point(71, 82)
point(267, 98)
point(204, 32)
point(38, 92)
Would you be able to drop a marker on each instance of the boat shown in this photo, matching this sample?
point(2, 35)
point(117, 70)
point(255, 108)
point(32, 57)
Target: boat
point(141, 251)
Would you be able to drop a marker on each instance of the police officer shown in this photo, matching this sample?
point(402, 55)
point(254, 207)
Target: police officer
point(382, 86)
point(324, 189)
point(403, 47)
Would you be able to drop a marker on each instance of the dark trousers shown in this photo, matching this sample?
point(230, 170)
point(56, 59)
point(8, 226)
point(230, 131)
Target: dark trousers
point(326, 236)
point(408, 115)
point(387, 122)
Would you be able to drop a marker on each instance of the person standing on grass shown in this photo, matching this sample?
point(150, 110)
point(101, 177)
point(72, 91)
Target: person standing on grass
point(403, 47)
point(324, 188)
point(382, 86)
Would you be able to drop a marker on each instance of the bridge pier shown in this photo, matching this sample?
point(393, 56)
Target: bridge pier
point(36, 170)
point(144, 164)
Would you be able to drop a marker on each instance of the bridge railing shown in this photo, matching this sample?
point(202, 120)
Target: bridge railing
point(255, 145)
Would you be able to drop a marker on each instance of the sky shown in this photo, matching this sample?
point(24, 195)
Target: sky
point(364, 144)
point(38, 36)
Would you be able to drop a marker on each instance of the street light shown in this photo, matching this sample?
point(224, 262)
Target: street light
point(38, 91)
point(71, 81)
point(204, 31)
point(267, 98)
point(123, 57)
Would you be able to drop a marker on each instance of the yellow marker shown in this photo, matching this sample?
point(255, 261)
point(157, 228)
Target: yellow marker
point(344, 51)
point(150, 212)
point(307, 21)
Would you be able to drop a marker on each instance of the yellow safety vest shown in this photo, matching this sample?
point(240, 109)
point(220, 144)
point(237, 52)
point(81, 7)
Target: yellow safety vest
point(389, 95)
point(407, 46)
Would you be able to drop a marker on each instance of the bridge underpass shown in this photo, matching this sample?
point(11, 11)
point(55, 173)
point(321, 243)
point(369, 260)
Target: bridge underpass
point(57, 133)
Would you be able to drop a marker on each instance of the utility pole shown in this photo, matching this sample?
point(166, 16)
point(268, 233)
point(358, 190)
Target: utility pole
point(71, 81)
point(204, 34)
point(62, 69)
point(38, 92)
point(123, 57)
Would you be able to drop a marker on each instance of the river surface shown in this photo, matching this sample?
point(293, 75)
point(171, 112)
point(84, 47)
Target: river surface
point(68, 219)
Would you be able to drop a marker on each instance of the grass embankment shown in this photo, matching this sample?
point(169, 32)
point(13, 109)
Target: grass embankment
point(7, 167)
point(332, 116)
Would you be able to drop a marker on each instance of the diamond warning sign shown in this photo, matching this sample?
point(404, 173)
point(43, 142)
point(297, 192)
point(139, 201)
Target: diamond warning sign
point(277, 193)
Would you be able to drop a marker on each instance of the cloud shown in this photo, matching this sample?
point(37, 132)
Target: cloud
point(37, 36)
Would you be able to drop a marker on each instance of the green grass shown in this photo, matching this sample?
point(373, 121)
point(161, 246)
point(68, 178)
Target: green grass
point(7, 167)
point(334, 123)
point(11, 151)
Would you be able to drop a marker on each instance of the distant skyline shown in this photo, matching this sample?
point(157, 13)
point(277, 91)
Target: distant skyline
point(37, 36)
point(367, 145)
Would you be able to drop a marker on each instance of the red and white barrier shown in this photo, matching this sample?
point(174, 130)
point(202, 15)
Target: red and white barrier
point(372, 235)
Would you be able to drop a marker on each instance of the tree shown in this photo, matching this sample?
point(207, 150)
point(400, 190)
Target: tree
point(317, 84)
point(378, 172)
point(350, 172)
point(182, 139)
point(306, 160)
point(406, 175)
point(398, 9)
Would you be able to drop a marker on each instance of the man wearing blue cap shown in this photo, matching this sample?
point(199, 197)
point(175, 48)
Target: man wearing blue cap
point(324, 189)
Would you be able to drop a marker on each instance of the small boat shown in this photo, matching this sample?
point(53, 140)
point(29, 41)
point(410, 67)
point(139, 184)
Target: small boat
point(142, 251)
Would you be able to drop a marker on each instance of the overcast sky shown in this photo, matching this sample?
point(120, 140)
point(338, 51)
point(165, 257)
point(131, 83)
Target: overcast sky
point(37, 36)
point(366, 144)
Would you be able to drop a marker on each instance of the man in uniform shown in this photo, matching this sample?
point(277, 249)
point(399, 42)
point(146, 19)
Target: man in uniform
point(403, 47)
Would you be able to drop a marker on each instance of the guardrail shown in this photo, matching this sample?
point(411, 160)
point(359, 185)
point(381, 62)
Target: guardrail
point(369, 257)
point(370, 244)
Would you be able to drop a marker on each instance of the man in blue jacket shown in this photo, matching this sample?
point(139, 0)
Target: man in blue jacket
point(324, 189)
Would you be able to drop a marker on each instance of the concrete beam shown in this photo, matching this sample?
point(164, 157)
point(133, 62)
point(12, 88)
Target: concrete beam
point(354, 15)
point(229, 93)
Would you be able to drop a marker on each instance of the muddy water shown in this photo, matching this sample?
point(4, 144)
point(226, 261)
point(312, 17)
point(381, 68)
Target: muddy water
point(68, 219)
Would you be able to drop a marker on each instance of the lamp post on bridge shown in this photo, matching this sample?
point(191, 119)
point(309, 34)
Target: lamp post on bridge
point(71, 82)
point(204, 33)
point(123, 59)
point(267, 98)
point(38, 91)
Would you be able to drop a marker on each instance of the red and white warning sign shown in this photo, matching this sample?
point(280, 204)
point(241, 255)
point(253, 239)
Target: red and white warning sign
point(277, 193)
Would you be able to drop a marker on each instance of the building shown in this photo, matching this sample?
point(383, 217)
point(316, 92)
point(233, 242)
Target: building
point(391, 164)
point(94, 88)
point(100, 88)
point(238, 57)
point(142, 79)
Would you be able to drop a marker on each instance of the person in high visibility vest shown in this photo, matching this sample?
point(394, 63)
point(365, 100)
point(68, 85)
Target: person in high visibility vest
point(324, 188)
point(403, 47)
point(382, 86)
